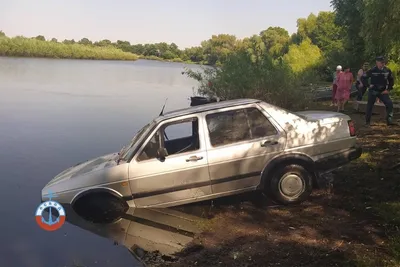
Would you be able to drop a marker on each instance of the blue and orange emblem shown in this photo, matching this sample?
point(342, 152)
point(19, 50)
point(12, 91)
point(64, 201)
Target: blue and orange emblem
point(54, 209)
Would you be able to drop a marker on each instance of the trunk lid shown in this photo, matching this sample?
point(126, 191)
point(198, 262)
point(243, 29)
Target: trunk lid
point(323, 117)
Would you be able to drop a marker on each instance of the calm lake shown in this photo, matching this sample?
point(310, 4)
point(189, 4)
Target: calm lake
point(56, 113)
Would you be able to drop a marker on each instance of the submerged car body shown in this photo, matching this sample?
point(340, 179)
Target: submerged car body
point(232, 147)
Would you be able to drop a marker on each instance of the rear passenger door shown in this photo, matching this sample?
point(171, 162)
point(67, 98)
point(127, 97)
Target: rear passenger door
point(240, 141)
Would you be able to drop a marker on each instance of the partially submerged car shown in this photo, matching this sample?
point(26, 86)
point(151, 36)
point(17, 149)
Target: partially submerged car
point(230, 147)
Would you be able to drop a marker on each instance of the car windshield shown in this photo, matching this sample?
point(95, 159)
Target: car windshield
point(125, 151)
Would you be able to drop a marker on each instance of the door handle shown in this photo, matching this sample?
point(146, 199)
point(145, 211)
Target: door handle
point(194, 158)
point(269, 143)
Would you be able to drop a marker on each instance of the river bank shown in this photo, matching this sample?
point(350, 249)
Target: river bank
point(33, 48)
point(355, 222)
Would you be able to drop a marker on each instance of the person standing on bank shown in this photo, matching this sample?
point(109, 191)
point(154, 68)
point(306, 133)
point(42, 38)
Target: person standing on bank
point(344, 81)
point(361, 88)
point(381, 83)
point(334, 84)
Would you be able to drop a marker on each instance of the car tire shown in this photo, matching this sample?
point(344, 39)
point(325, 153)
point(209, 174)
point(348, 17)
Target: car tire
point(100, 207)
point(290, 184)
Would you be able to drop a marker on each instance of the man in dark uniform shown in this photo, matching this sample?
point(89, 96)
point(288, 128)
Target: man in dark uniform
point(381, 83)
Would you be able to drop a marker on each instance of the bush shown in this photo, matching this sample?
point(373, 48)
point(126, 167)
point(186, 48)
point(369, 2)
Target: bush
point(246, 75)
point(395, 68)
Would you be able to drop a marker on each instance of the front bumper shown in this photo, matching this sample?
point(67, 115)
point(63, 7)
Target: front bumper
point(335, 161)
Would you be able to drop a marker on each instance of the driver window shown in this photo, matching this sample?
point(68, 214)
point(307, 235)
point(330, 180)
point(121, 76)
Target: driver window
point(181, 136)
point(150, 150)
point(177, 137)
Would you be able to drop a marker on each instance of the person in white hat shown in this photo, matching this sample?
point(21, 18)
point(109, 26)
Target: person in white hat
point(334, 84)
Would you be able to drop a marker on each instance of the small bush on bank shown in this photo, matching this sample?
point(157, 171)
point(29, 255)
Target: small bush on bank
point(247, 76)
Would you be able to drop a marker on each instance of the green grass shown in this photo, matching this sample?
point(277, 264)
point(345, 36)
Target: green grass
point(368, 159)
point(26, 47)
point(390, 212)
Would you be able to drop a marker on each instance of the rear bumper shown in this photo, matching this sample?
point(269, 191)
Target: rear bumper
point(337, 160)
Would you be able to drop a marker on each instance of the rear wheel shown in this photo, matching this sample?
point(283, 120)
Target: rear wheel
point(100, 207)
point(290, 184)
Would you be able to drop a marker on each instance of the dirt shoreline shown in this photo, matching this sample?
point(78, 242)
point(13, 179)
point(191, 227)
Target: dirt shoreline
point(356, 222)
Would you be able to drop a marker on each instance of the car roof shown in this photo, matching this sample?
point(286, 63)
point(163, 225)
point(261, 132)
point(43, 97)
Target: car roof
point(206, 107)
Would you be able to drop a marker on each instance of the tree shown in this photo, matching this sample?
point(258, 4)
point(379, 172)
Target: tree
point(218, 48)
point(276, 40)
point(381, 27)
point(304, 56)
point(349, 15)
point(66, 41)
point(137, 49)
point(54, 40)
point(174, 49)
point(40, 37)
point(151, 50)
point(254, 47)
point(123, 45)
point(321, 30)
point(195, 54)
point(85, 41)
point(326, 34)
point(103, 43)
point(306, 27)
point(2, 34)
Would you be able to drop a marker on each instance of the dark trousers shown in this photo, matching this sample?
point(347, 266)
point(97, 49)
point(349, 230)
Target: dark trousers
point(385, 98)
point(361, 91)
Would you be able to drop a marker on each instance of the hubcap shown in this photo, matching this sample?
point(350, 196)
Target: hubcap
point(292, 185)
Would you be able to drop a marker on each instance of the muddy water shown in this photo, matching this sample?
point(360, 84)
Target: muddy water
point(54, 114)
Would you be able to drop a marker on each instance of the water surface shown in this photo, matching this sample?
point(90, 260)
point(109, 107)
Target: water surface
point(56, 113)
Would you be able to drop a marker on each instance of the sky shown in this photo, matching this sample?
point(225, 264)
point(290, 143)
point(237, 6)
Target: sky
point(184, 22)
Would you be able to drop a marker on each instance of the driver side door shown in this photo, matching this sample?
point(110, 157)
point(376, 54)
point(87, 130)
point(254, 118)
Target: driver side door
point(182, 176)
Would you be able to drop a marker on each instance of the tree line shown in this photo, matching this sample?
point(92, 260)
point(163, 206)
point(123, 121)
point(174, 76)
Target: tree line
point(278, 67)
point(354, 33)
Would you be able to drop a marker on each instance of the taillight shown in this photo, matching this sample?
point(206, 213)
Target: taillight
point(352, 129)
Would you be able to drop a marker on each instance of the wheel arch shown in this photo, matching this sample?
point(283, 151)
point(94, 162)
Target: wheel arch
point(97, 190)
point(286, 159)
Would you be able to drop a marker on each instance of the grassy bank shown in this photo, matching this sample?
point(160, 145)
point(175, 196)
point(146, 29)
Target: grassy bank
point(355, 222)
point(25, 47)
point(177, 60)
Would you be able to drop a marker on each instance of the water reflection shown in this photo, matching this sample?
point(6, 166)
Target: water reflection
point(165, 231)
point(56, 113)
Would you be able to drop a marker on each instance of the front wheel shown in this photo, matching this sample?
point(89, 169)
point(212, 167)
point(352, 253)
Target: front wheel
point(100, 207)
point(291, 184)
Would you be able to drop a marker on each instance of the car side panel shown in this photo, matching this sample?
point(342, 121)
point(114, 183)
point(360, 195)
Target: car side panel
point(154, 182)
point(314, 150)
point(238, 166)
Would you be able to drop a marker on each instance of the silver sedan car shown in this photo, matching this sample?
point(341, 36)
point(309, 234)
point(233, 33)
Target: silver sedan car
point(223, 148)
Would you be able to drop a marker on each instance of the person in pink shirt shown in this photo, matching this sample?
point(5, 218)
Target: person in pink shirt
point(344, 82)
point(334, 84)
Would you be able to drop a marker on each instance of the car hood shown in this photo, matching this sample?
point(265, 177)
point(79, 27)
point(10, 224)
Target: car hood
point(96, 164)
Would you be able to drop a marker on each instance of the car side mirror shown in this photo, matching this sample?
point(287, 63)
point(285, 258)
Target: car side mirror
point(162, 153)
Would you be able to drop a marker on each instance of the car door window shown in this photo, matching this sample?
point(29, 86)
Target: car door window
point(180, 137)
point(151, 148)
point(260, 126)
point(238, 125)
point(176, 137)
